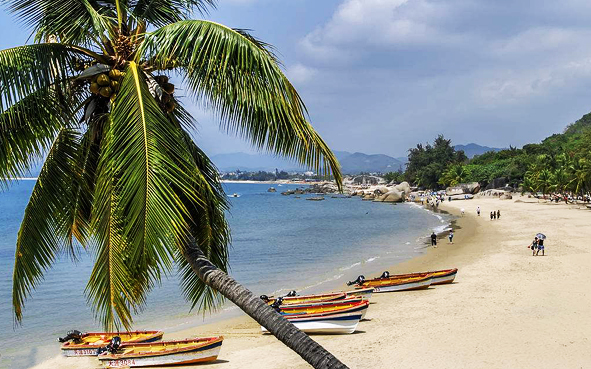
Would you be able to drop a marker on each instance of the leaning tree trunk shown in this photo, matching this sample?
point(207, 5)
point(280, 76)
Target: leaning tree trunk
point(286, 332)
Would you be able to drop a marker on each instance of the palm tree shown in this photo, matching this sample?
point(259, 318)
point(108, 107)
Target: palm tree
point(454, 175)
point(122, 177)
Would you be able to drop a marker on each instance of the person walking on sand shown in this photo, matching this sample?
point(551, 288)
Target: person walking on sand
point(534, 246)
point(540, 247)
point(498, 214)
point(451, 236)
point(491, 215)
point(433, 239)
point(463, 211)
point(478, 211)
point(494, 214)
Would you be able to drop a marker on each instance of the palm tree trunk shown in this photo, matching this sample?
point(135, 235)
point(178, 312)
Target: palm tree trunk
point(286, 332)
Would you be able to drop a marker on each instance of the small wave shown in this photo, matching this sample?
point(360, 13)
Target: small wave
point(372, 259)
point(333, 278)
point(349, 267)
point(441, 229)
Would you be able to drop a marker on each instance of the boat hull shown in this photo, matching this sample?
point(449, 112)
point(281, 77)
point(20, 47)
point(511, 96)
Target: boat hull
point(439, 276)
point(205, 353)
point(332, 324)
point(364, 293)
point(311, 298)
point(70, 349)
point(410, 286)
point(357, 307)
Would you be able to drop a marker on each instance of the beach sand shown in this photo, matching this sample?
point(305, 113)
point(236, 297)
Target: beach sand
point(506, 308)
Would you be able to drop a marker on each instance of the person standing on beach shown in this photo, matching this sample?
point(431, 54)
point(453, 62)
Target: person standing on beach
point(534, 246)
point(498, 214)
point(478, 211)
point(433, 239)
point(540, 247)
point(451, 236)
point(491, 215)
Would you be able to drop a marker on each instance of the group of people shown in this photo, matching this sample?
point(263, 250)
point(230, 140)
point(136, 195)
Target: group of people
point(493, 214)
point(434, 238)
point(536, 246)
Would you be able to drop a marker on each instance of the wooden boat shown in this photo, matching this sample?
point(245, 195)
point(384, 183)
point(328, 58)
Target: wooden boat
point(339, 306)
point(189, 351)
point(88, 343)
point(439, 276)
point(364, 293)
point(401, 284)
point(309, 298)
point(343, 322)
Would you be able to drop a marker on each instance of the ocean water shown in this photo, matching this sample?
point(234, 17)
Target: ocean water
point(279, 243)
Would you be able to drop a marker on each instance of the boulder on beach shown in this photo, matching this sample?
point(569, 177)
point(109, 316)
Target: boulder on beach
point(463, 188)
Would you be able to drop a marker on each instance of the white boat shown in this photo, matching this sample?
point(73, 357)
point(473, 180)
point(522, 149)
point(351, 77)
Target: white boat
point(235, 195)
point(345, 323)
point(414, 285)
point(162, 353)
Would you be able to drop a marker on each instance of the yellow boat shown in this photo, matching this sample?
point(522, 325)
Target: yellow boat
point(395, 284)
point(321, 307)
point(189, 351)
point(87, 344)
point(307, 298)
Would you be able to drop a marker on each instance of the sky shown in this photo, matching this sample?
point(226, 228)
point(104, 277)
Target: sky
point(380, 76)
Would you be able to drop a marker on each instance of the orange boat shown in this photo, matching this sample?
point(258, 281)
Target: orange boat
point(336, 306)
point(87, 344)
point(288, 300)
point(391, 284)
point(444, 276)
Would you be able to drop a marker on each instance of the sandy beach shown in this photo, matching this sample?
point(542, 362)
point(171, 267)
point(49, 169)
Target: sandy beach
point(506, 308)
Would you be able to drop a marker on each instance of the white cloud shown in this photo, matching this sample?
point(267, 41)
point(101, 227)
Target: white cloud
point(300, 74)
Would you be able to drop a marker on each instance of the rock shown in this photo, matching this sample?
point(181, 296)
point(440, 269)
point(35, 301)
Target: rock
point(368, 197)
point(403, 187)
point(461, 197)
point(463, 188)
point(506, 196)
point(271, 189)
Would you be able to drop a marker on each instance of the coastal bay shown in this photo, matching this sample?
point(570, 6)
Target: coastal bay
point(506, 308)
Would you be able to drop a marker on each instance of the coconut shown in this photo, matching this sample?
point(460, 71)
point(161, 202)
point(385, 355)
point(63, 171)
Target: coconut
point(165, 98)
point(168, 88)
point(115, 85)
point(95, 88)
point(106, 91)
point(115, 74)
point(161, 79)
point(103, 80)
point(169, 106)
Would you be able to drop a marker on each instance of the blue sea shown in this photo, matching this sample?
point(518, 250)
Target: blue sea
point(279, 243)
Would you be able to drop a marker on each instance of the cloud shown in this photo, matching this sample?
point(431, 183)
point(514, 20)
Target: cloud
point(300, 74)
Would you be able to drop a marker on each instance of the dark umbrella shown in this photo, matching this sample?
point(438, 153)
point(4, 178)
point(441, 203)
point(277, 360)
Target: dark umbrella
point(541, 236)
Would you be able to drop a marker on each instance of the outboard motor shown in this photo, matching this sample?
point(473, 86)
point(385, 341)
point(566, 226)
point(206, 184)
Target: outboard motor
point(112, 347)
point(277, 304)
point(265, 298)
point(385, 275)
point(73, 335)
point(291, 294)
point(359, 281)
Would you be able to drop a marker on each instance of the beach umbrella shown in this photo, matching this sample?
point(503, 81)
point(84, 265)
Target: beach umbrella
point(541, 236)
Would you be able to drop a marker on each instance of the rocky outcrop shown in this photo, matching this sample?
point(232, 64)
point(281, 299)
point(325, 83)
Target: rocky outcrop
point(396, 193)
point(463, 188)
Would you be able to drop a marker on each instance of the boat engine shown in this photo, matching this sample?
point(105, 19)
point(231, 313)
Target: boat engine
point(72, 335)
point(112, 347)
point(277, 304)
point(385, 275)
point(265, 298)
point(291, 294)
point(359, 281)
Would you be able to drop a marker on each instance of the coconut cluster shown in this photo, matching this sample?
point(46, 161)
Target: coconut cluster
point(167, 100)
point(106, 85)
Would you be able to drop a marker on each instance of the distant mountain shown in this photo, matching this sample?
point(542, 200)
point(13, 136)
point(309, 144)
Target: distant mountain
point(473, 149)
point(351, 163)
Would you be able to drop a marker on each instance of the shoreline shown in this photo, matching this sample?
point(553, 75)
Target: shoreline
point(504, 303)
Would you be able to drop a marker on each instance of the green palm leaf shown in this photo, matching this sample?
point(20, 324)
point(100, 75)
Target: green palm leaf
point(71, 20)
point(26, 69)
point(163, 12)
point(240, 78)
point(28, 128)
point(43, 230)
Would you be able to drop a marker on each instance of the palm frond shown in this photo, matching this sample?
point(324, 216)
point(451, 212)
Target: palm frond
point(28, 127)
point(162, 12)
point(73, 21)
point(29, 68)
point(43, 230)
point(112, 290)
point(241, 80)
